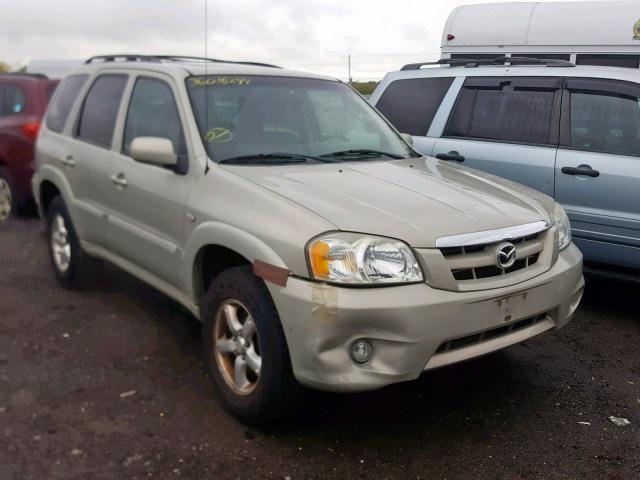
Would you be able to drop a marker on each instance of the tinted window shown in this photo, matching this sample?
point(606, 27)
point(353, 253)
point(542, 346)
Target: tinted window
point(627, 61)
point(410, 105)
point(153, 113)
point(100, 109)
point(15, 99)
point(605, 123)
point(506, 110)
point(61, 107)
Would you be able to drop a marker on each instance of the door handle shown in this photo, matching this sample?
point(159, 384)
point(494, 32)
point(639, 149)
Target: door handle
point(581, 170)
point(119, 180)
point(452, 156)
point(68, 161)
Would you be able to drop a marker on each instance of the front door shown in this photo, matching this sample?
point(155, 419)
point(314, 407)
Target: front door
point(147, 225)
point(598, 168)
point(507, 126)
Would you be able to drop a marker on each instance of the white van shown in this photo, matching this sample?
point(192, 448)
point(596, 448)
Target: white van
point(585, 33)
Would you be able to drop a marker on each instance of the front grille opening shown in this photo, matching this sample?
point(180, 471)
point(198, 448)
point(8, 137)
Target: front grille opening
point(489, 270)
point(477, 338)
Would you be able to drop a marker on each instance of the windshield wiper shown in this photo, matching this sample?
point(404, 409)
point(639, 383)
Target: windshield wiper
point(267, 158)
point(358, 152)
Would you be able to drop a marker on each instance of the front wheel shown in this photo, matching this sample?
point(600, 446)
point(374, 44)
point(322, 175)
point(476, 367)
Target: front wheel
point(245, 349)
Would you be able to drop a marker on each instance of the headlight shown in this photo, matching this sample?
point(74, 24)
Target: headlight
point(564, 227)
point(357, 259)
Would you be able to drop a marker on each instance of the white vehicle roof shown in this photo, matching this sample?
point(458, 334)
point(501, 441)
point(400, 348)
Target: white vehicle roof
point(600, 26)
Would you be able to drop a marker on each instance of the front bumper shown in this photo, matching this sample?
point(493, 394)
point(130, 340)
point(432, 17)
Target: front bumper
point(416, 327)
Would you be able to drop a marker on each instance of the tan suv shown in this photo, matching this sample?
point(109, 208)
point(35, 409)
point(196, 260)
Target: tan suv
point(316, 246)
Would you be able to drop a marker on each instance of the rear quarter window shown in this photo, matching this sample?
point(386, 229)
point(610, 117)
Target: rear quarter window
point(411, 104)
point(67, 93)
point(12, 99)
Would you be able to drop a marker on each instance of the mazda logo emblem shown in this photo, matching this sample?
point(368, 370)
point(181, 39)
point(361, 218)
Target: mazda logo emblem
point(506, 255)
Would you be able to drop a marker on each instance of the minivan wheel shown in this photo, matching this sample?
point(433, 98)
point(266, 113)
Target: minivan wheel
point(245, 350)
point(7, 198)
point(72, 266)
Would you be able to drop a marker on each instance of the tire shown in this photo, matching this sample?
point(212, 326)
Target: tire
point(235, 298)
point(8, 197)
point(72, 266)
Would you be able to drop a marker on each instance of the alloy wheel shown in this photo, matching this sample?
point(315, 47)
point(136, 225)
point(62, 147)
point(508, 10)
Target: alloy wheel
point(237, 347)
point(6, 200)
point(60, 244)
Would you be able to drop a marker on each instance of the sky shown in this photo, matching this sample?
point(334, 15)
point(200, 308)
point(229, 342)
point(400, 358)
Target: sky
point(316, 35)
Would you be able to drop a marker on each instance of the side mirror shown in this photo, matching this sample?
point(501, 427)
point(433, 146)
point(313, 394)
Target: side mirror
point(154, 150)
point(407, 138)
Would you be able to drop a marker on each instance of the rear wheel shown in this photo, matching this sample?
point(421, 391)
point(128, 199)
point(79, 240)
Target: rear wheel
point(72, 266)
point(245, 349)
point(8, 198)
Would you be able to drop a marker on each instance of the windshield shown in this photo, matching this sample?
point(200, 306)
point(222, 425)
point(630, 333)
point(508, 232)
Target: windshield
point(253, 115)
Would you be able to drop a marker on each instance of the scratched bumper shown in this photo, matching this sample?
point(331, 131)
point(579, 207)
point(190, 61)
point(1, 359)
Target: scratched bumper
point(416, 327)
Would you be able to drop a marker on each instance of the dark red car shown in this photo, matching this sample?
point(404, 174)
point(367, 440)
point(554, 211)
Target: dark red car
point(23, 101)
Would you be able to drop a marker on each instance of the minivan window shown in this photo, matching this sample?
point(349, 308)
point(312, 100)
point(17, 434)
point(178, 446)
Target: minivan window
point(506, 110)
point(153, 113)
point(252, 115)
point(411, 104)
point(608, 123)
point(66, 95)
point(100, 109)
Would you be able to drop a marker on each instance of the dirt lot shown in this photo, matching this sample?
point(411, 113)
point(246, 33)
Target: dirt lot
point(66, 358)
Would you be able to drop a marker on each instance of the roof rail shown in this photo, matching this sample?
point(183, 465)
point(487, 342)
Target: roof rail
point(168, 58)
point(41, 76)
point(500, 60)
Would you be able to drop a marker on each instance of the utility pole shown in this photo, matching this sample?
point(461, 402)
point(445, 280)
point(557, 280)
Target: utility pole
point(349, 65)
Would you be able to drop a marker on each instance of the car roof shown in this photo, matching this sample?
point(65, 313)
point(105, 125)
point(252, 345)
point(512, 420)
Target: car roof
point(182, 69)
point(617, 73)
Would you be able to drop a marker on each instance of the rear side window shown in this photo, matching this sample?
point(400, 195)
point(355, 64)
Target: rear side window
point(518, 110)
point(100, 109)
point(607, 123)
point(411, 104)
point(61, 107)
point(15, 99)
point(153, 113)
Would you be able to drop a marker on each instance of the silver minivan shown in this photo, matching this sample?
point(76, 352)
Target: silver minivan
point(570, 132)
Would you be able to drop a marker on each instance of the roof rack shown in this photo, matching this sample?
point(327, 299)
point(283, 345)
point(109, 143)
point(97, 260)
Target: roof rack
point(167, 58)
point(40, 76)
point(500, 60)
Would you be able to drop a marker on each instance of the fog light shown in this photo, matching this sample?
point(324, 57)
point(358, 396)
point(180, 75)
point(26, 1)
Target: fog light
point(361, 351)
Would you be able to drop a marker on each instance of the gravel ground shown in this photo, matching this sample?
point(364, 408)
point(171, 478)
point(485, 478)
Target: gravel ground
point(108, 383)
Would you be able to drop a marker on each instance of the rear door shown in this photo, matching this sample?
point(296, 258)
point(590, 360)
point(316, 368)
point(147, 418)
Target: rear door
point(411, 105)
point(598, 168)
point(87, 158)
point(507, 126)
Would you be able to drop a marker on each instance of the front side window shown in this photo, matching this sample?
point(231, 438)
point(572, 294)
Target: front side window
point(153, 113)
point(506, 110)
point(252, 115)
point(411, 104)
point(100, 110)
point(64, 99)
point(607, 123)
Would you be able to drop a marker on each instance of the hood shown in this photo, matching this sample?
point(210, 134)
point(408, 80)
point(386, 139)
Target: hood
point(415, 200)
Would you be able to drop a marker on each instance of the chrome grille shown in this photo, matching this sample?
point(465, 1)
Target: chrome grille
point(473, 262)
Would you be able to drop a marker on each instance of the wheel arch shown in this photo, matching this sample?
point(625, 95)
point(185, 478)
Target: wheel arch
point(215, 247)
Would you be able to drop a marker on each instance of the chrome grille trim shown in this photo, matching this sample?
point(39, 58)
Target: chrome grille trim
point(492, 236)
